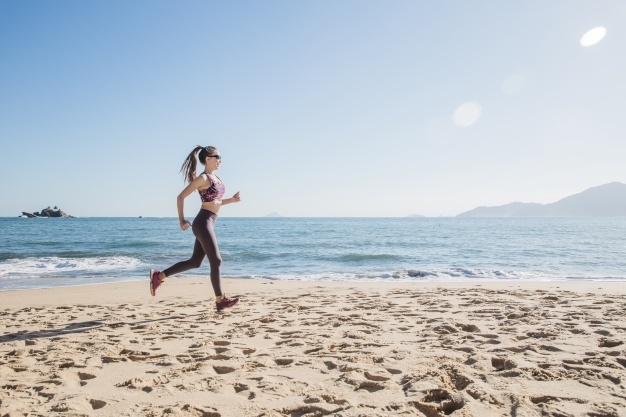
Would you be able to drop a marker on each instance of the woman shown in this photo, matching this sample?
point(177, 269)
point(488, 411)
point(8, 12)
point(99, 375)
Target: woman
point(211, 191)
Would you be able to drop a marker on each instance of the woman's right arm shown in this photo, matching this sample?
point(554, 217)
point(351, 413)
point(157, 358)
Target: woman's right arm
point(180, 200)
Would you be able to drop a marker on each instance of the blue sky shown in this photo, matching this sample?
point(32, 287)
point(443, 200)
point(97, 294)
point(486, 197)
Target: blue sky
point(319, 108)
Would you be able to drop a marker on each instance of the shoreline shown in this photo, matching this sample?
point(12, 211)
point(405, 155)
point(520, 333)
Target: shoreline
point(575, 282)
point(177, 287)
point(304, 348)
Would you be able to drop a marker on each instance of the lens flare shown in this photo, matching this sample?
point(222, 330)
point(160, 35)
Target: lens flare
point(467, 114)
point(593, 36)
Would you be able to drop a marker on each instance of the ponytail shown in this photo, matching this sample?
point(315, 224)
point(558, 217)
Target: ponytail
point(189, 166)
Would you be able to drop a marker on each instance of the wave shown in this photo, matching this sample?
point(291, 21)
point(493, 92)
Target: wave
point(139, 244)
point(302, 256)
point(45, 266)
point(360, 257)
point(251, 255)
point(8, 255)
point(435, 275)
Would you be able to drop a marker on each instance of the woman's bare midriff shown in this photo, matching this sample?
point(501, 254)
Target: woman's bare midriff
point(213, 206)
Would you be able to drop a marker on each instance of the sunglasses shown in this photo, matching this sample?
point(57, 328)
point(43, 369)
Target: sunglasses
point(218, 157)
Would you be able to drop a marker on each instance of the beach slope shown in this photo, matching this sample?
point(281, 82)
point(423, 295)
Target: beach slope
point(311, 349)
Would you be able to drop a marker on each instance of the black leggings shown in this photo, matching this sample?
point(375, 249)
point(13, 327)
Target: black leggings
point(206, 244)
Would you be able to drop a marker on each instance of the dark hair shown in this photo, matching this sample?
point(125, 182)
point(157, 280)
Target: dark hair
point(189, 166)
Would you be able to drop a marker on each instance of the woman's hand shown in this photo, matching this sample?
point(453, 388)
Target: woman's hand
point(184, 224)
point(236, 198)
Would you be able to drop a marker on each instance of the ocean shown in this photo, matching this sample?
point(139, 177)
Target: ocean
point(40, 253)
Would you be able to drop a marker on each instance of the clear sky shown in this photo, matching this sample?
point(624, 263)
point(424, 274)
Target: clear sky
point(319, 108)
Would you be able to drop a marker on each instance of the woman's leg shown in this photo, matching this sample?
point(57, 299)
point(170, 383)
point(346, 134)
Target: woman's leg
point(157, 277)
point(206, 245)
point(194, 262)
point(203, 229)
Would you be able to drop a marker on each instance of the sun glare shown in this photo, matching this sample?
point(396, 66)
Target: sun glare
point(467, 114)
point(593, 36)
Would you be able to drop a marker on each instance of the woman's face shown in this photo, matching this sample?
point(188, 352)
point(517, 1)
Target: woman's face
point(213, 161)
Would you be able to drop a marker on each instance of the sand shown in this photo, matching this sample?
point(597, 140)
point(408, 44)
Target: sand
point(313, 349)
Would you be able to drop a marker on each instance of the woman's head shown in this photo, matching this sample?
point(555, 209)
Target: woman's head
point(207, 152)
point(209, 156)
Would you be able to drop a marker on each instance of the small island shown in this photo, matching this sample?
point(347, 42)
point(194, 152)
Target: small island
point(47, 212)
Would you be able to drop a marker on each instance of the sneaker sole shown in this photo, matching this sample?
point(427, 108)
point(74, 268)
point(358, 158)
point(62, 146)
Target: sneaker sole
point(151, 288)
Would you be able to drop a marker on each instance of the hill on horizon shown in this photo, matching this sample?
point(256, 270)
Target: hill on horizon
point(606, 200)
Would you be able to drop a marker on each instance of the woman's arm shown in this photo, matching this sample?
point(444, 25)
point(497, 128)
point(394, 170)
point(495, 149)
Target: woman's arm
point(234, 199)
point(180, 200)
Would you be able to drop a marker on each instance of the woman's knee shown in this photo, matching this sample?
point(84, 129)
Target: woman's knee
point(216, 262)
point(195, 262)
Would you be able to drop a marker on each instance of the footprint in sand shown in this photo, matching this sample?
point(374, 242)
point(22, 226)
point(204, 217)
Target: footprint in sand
point(97, 404)
point(223, 369)
point(609, 343)
point(471, 328)
point(84, 377)
point(238, 387)
point(500, 364)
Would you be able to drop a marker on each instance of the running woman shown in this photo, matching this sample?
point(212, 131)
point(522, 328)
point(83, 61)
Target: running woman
point(211, 190)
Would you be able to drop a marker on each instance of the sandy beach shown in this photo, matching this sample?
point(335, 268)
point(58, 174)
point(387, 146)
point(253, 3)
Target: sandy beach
point(315, 348)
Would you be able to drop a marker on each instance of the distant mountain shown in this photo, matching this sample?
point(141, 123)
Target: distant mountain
point(601, 201)
point(415, 215)
point(274, 214)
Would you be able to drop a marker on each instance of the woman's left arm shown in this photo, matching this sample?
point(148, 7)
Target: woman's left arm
point(234, 199)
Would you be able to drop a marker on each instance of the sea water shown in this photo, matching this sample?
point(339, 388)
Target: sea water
point(44, 252)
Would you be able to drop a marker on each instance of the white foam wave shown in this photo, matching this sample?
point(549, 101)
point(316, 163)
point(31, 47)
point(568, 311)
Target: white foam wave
point(58, 266)
point(412, 275)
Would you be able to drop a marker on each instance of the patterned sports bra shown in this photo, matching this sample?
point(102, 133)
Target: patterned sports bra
point(214, 192)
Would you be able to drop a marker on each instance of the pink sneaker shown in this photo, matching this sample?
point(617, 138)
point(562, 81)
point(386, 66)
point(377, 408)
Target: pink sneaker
point(225, 303)
point(154, 281)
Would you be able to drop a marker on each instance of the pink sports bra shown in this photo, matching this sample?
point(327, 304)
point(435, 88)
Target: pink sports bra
point(214, 192)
